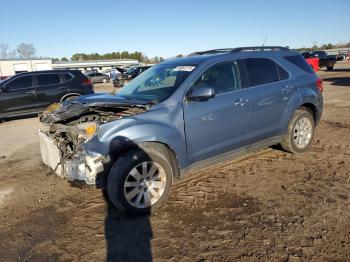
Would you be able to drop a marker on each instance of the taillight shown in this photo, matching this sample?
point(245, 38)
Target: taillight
point(319, 84)
point(87, 82)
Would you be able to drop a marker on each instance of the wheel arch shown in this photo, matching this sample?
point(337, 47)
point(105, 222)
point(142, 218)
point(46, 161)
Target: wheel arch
point(311, 108)
point(127, 145)
point(69, 95)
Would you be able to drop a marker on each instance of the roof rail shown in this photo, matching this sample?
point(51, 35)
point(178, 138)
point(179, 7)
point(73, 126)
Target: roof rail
point(241, 49)
point(213, 51)
point(259, 48)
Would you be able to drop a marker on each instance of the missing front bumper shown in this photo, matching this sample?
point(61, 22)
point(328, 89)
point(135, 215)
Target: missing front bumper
point(83, 167)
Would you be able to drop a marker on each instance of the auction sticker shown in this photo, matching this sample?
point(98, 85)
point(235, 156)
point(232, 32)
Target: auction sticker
point(184, 68)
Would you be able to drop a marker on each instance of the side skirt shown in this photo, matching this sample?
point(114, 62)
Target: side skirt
point(229, 155)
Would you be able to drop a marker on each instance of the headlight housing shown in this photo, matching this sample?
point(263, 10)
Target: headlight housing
point(88, 131)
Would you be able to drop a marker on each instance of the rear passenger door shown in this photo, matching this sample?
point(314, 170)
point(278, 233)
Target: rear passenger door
point(50, 88)
point(269, 92)
point(221, 123)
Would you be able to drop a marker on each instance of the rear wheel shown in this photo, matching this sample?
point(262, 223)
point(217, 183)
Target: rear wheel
point(300, 132)
point(139, 182)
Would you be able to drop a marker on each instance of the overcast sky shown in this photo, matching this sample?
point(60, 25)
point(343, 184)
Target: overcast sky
point(166, 28)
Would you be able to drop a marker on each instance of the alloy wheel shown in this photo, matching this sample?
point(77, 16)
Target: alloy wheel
point(145, 184)
point(302, 132)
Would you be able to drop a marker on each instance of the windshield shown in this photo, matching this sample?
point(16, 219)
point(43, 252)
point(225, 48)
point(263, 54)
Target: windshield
point(156, 83)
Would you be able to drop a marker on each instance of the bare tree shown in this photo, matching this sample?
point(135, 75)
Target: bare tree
point(26, 51)
point(3, 51)
point(12, 54)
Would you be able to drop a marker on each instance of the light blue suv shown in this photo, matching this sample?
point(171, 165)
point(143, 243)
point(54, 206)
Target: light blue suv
point(181, 115)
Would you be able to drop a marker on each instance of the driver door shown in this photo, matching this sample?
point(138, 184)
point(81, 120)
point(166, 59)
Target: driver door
point(222, 123)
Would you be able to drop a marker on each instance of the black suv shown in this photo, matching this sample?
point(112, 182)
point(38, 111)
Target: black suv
point(31, 92)
point(129, 75)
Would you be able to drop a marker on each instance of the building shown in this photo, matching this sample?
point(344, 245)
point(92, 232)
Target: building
point(12, 67)
point(339, 51)
point(95, 65)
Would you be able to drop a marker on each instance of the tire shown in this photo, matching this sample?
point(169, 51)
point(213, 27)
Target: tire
point(130, 191)
point(300, 132)
point(330, 67)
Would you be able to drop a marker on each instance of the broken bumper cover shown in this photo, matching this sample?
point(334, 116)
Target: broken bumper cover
point(84, 167)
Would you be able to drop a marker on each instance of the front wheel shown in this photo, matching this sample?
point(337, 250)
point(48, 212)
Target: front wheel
point(329, 67)
point(300, 132)
point(139, 182)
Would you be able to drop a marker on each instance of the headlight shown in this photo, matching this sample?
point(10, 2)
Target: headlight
point(90, 130)
point(87, 131)
point(53, 107)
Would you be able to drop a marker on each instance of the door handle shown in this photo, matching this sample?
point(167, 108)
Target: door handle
point(240, 102)
point(286, 89)
point(62, 87)
point(30, 92)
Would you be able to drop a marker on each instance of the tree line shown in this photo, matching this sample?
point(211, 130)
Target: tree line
point(324, 47)
point(139, 56)
point(27, 51)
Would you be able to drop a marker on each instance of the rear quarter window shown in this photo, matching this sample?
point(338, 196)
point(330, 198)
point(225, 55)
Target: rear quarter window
point(66, 77)
point(300, 62)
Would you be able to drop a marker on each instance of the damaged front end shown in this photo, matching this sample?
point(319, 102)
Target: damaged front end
point(69, 126)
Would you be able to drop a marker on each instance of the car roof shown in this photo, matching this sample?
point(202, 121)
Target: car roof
point(48, 71)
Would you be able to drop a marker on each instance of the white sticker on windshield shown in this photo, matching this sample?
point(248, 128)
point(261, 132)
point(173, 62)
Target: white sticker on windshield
point(184, 68)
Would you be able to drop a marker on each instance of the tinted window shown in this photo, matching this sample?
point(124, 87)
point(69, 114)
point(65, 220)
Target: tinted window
point(66, 77)
point(221, 77)
point(261, 71)
point(48, 79)
point(283, 74)
point(20, 83)
point(300, 62)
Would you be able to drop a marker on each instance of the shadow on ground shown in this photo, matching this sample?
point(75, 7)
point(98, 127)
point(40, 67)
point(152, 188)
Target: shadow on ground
point(339, 81)
point(128, 237)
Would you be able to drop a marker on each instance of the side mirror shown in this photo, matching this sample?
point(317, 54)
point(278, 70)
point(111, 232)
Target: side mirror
point(201, 94)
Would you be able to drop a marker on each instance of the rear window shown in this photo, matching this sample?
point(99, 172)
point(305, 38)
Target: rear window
point(300, 62)
point(48, 79)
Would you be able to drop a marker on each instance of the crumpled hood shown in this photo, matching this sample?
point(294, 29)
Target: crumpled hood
point(107, 99)
point(75, 108)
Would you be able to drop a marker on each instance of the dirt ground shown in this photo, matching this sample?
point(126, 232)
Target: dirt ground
point(266, 206)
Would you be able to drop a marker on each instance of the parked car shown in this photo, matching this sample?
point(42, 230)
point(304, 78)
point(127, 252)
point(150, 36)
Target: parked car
point(128, 75)
point(182, 115)
point(325, 60)
point(98, 77)
point(342, 56)
point(118, 70)
point(32, 92)
point(314, 62)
